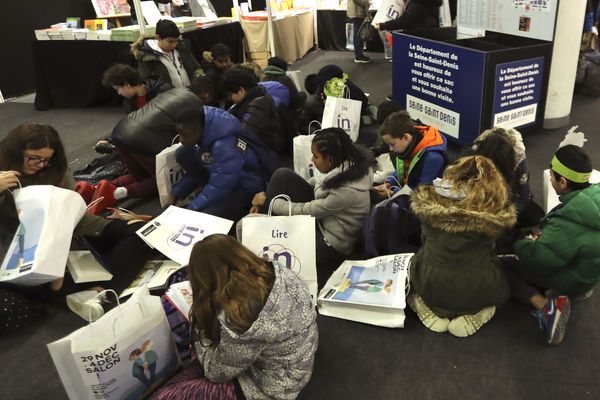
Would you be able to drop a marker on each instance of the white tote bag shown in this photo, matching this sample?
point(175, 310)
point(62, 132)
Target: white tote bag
point(289, 240)
point(40, 246)
point(176, 230)
point(168, 172)
point(389, 10)
point(371, 291)
point(122, 355)
point(303, 164)
point(342, 113)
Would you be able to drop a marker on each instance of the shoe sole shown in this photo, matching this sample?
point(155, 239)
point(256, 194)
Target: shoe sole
point(559, 326)
point(362, 61)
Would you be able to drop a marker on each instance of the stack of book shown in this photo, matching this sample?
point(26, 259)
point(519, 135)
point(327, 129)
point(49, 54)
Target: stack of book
point(98, 35)
point(185, 24)
point(129, 33)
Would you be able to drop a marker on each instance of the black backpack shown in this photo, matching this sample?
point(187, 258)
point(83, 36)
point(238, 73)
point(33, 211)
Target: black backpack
point(392, 228)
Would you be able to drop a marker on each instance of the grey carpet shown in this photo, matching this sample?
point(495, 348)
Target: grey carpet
point(507, 359)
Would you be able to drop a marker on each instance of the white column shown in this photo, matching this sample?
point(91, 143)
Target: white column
point(565, 53)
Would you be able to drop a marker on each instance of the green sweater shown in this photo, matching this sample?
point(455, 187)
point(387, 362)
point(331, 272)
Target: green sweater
point(566, 257)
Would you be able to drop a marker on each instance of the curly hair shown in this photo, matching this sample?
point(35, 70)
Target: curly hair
point(121, 75)
point(486, 188)
point(226, 277)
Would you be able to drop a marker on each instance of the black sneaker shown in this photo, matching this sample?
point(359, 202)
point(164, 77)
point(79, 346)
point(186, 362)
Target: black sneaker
point(362, 60)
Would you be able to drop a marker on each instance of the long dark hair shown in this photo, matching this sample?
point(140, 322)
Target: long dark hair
point(30, 136)
point(226, 276)
point(337, 145)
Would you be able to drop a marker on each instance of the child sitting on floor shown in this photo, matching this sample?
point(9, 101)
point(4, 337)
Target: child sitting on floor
point(255, 327)
point(563, 258)
point(456, 276)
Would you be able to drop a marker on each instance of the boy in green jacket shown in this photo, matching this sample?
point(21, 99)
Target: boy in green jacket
point(564, 257)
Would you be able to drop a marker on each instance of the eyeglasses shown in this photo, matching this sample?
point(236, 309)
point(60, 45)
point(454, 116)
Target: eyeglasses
point(35, 161)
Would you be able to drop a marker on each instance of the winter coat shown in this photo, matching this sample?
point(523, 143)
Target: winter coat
point(274, 358)
point(418, 14)
point(341, 202)
point(149, 63)
point(273, 73)
point(258, 114)
point(566, 257)
point(228, 166)
point(426, 163)
point(357, 8)
point(456, 270)
point(151, 129)
point(154, 86)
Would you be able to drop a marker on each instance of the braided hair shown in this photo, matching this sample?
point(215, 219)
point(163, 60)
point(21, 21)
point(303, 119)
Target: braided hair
point(336, 144)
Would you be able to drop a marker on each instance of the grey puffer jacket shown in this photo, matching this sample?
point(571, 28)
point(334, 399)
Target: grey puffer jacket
point(274, 358)
point(341, 202)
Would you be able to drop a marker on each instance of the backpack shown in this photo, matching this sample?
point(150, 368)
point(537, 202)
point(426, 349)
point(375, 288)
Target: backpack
point(392, 228)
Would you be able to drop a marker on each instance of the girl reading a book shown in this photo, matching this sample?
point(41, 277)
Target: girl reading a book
point(456, 277)
point(33, 154)
point(337, 196)
point(254, 323)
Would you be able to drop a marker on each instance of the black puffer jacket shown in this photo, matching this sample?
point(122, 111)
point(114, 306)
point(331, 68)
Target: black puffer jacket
point(419, 14)
point(258, 114)
point(154, 87)
point(152, 128)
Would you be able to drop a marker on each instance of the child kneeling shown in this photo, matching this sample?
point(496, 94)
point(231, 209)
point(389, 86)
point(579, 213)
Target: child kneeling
point(456, 276)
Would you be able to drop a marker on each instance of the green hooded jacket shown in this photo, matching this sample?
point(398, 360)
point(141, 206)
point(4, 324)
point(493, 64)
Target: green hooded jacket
point(566, 257)
point(456, 270)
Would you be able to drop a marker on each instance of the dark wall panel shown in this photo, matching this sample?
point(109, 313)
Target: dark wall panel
point(16, 30)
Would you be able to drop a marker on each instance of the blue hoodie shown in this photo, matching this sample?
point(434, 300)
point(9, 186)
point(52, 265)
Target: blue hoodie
point(229, 164)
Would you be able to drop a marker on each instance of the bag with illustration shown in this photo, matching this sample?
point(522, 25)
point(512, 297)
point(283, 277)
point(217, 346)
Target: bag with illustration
point(126, 354)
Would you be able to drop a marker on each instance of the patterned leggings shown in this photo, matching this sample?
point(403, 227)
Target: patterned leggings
point(190, 384)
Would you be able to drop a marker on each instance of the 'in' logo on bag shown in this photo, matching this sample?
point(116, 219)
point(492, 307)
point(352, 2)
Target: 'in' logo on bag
point(344, 123)
point(391, 13)
point(281, 255)
point(175, 175)
point(184, 236)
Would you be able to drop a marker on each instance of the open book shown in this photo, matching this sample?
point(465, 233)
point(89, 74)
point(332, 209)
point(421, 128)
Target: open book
point(180, 295)
point(370, 291)
point(155, 274)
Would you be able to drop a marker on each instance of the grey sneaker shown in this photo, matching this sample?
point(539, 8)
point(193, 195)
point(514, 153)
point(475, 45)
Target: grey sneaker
point(87, 304)
point(427, 317)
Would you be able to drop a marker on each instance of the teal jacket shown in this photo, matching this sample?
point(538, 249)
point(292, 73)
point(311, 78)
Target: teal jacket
point(566, 257)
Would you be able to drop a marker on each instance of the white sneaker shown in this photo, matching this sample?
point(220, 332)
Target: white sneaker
point(427, 317)
point(87, 304)
point(466, 325)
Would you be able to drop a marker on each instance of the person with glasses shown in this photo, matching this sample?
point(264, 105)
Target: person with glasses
point(33, 154)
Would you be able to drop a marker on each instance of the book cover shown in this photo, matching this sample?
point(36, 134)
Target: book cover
point(376, 282)
point(73, 22)
point(155, 274)
point(96, 24)
point(85, 268)
point(180, 295)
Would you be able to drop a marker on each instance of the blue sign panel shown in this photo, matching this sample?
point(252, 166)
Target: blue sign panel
point(517, 91)
point(439, 83)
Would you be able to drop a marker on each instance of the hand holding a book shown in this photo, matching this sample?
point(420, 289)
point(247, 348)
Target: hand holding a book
point(8, 179)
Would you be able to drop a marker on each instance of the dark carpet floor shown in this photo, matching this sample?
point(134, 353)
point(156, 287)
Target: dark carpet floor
point(507, 359)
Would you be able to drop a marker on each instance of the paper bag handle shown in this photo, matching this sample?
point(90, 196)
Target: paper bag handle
point(100, 294)
point(174, 139)
point(310, 124)
point(20, 185)
point(282, 196)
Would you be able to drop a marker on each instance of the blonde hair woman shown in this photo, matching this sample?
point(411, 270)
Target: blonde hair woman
point(456, 276)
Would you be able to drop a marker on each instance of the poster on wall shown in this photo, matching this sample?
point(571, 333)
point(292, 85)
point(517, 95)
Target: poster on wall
point(528, 18)
point(430, 85)
point(518, 87)
point(111, 8)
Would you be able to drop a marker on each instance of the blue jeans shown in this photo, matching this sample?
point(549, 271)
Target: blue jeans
point(358, 42)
